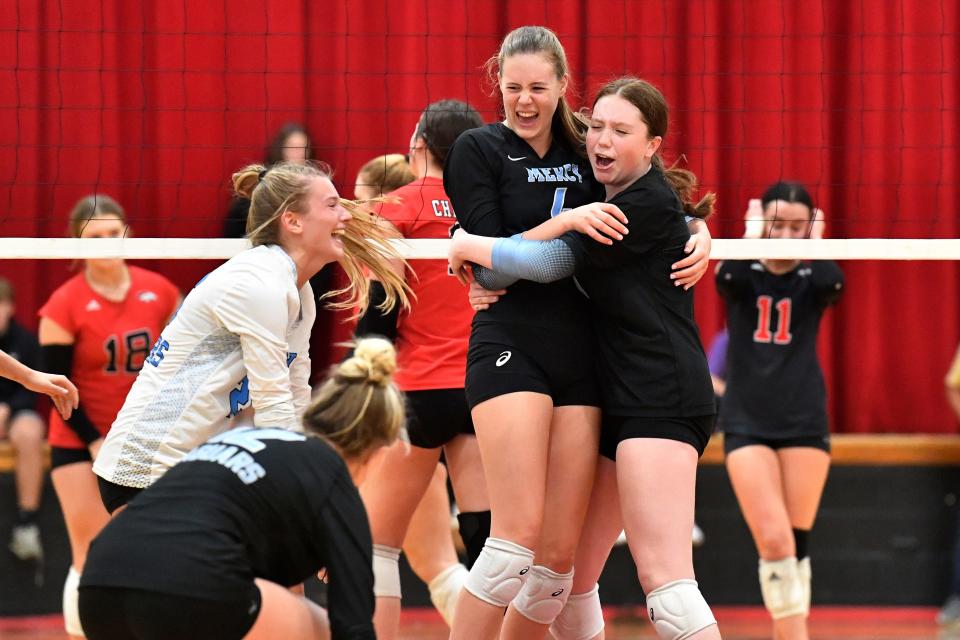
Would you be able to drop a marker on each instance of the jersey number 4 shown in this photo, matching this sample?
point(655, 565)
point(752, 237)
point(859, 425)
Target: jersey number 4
point(764, 332)
point(556, 208)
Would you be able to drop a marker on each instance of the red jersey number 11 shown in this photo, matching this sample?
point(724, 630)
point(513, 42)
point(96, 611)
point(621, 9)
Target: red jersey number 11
point(764, 331)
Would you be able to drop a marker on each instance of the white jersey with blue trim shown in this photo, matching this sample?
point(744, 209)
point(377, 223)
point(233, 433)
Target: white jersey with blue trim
point(239, 340)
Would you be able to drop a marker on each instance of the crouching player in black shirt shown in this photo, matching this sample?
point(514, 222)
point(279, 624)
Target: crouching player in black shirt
point(657, 397)
point(209, 550)
point(774, 412)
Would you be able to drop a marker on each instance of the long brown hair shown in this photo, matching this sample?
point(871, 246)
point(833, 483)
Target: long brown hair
point(359, 408)
point(655, 114)
point(284, 187)
point(442, 122)
point(567, 123)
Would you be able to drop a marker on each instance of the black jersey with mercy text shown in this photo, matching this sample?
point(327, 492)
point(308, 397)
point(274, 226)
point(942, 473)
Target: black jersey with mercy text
point(651, 360)
point(775, 387)
point(500, 187)
point(249, 503)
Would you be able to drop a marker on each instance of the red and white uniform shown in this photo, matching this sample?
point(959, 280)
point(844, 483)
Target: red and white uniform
point(432, 337)
point(111, 341)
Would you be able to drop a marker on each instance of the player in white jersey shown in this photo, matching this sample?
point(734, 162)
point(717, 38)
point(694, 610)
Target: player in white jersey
point(241, 337)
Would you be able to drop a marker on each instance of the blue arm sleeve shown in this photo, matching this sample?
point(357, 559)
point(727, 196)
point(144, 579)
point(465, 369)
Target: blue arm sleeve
point(490, 279)
point(539, 261)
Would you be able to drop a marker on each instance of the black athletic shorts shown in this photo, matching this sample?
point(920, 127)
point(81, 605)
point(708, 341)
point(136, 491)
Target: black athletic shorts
point(694, 431)
point(115, 495)
point(565, 373)
point(732, 441)
point(437, 416)
point(62, 456)
point(119, 613)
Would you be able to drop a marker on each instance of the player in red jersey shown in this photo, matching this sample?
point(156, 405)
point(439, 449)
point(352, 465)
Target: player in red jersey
point(96, 328)
point(428, 545)
point(431, 340)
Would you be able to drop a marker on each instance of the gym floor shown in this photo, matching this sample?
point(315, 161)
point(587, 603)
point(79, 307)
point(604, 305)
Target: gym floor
point(736, 623)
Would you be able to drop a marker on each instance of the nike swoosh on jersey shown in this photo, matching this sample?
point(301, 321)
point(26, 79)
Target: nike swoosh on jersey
point(512, 159)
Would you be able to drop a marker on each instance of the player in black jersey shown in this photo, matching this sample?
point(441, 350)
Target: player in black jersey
point(209, 550)
point(657, 395)
point(530, 378)
point(774, 412)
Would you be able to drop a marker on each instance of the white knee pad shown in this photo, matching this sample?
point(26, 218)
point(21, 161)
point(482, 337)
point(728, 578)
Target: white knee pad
point(806, 579)
point(499, 572)
point(386, 571)
point(543, 594)
point(782, 588)
point(581, 618)
point(71, 605)
point(678, 610)
point(445, 589)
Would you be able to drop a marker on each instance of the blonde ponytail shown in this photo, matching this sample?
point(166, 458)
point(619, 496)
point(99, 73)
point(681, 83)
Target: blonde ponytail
point(359, 408)
point(366, 244)
point(285, 186)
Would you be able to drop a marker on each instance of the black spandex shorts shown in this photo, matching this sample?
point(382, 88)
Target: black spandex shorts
point(437, 416)
point(732, 441)
point(694, 431)
point(565, 373)
point(115, 495)
point(62, 456)
point(118, 613)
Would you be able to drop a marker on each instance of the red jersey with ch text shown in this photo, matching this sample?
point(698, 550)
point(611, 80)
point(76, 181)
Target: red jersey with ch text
point(432, 337)
point(111, 340)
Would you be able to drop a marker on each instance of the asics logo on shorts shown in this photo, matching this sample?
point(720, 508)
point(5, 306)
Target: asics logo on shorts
point(527, 568)
point(504, 358)
point(556, 593)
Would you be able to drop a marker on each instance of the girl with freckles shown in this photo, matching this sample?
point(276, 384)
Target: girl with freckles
point(656, 394)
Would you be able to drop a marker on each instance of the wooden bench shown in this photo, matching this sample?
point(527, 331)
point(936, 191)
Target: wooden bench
point(876, 450)
point(7, 457)
point(890, 450)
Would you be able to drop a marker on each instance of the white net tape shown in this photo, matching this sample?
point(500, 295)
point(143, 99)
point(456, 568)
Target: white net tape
point(723, 249)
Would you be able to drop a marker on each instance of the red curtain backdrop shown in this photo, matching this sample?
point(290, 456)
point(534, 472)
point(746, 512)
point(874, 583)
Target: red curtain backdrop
point(157, 103)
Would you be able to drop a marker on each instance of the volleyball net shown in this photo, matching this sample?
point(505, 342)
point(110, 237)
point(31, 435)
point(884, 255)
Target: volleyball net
point(421, 249)
point(157, 105)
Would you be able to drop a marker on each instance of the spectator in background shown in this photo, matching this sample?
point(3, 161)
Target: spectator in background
point(96, 328)
point(20, 423)
point(950, 613)
point(717, 361)
point(290, 144)
point(381, 175)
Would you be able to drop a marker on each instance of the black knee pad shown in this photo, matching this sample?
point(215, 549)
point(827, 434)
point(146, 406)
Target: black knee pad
point(800, 537)
point(474, 529)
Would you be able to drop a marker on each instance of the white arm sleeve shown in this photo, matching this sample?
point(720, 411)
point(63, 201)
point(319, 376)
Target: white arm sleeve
point(256, 310)
point(300, 368)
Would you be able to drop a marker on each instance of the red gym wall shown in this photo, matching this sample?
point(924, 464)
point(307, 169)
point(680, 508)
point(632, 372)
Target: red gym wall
point(156, 106)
